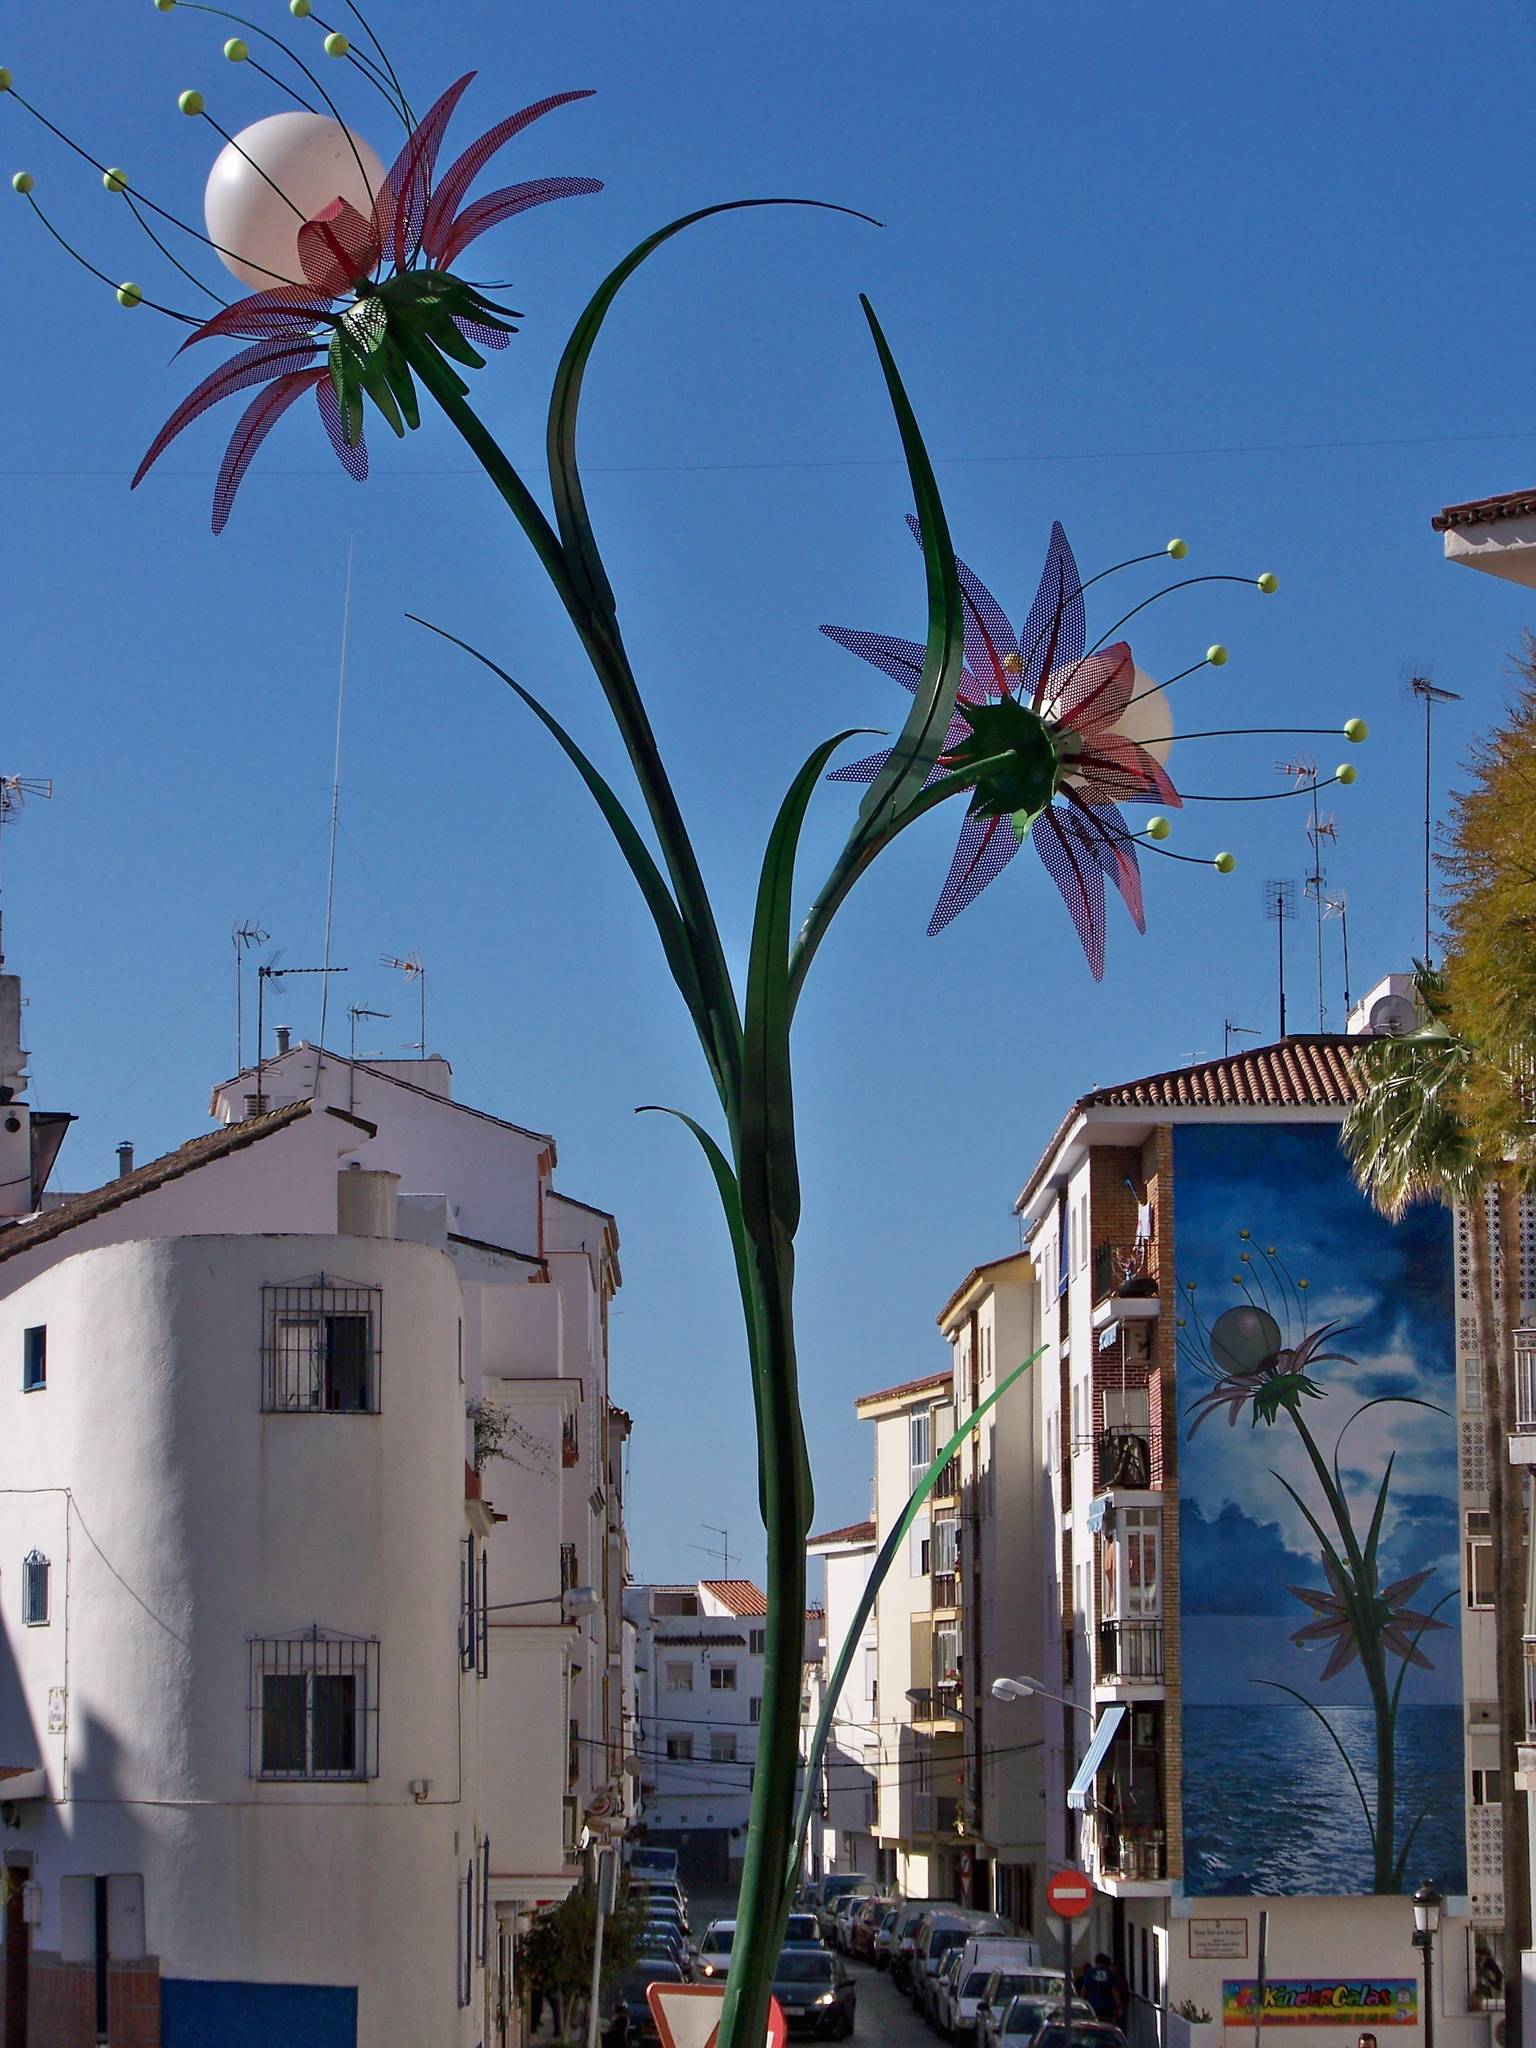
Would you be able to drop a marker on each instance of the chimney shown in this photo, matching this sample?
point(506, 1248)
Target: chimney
point(125, 1159)
point(283, 1035)
point(365, 1202)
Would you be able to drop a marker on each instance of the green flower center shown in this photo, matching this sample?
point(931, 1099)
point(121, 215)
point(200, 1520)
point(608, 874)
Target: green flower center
point(1015, 759)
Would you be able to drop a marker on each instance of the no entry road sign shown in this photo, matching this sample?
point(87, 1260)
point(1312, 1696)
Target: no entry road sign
point(688, 2015)
point(1069, 1894)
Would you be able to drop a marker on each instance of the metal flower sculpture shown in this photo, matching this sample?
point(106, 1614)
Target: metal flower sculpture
point(1259, 1356)
point(366, 275)
point(1045, 734)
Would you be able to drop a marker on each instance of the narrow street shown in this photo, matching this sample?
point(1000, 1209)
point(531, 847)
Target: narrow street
point(886, 2020)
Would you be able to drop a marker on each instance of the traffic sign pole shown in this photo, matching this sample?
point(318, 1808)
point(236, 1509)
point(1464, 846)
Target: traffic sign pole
point(1069, 1895)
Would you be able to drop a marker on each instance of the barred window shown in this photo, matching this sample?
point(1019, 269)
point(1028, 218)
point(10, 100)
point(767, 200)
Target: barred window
point(320, 1348)
point(34, 1589)
point(314, 1705)
point(474, 1607)
point(34, 1358)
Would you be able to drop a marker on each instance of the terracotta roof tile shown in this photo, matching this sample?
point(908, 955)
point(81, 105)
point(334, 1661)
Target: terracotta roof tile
point(702, 1642)
point(932, 1379)
point(1483, 511)
point(154, 1174)
point(855, 1532)
point(740, 1595)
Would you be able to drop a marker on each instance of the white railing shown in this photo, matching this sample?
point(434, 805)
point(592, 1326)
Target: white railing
point(1525, 1382)
point(1530, 1688)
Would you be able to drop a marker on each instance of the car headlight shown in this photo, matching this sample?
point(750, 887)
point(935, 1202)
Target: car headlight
point(706, 1969)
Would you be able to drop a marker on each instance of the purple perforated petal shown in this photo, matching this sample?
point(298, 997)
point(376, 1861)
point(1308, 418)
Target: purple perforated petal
point(496, 207)
point(901, 659)
point(1079, 878)
point(1056, 630)
point(985, 847)
point(485, 337)
point(253, 427)
point(353, 456)
point(1099, 829)
point(989, 639)
point(401, 207)
point(453, 187)
point(258, 364)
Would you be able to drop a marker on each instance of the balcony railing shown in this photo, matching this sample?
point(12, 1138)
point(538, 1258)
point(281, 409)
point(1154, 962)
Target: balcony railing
point(1122, 1457)
point(1122, 1269)
point(1530, 1688)
point(1131, 1651)
point(947, 1485)
point(1525, 1382)
point(944, 1589)
point(1133, 1850)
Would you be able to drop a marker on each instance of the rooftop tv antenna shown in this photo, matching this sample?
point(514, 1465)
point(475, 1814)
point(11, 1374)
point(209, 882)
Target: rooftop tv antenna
point(354, 1011)
point(270, 971)
point(14, 791)
point(1280, 908)
point(1303, 772)
point(722, 1551)
point(1429, 694)
point(413, 969)
point(1338, 906)
point(242, 938)
point(1230, 1029)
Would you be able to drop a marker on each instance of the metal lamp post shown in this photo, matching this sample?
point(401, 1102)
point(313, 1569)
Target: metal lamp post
point(1427, 1904)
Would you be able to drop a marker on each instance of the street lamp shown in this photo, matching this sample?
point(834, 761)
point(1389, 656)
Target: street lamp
point(574, 1602)
point(1427, 1903)
point(1012, 1690)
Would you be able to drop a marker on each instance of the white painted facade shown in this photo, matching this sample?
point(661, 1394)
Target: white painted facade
point(258, 1684)
point(841, 1835)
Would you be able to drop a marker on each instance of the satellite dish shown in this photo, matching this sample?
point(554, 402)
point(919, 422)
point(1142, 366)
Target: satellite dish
point(1391, 1017)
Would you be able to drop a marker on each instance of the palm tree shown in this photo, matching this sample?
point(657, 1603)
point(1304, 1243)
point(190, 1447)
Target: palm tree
point(1414, 1136)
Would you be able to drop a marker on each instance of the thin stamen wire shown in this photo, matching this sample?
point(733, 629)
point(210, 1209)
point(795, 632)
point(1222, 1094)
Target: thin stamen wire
point(223, 14)
point(1067, 598)
point(256, 167)
point(1166, 684)
point(1243, 732)
point(190, 275)
point(1268, 796)
point(384, 81)
point(1184, 583)
point(154, 305)
point(175, 219)
point(282, 85)
point(357, 12)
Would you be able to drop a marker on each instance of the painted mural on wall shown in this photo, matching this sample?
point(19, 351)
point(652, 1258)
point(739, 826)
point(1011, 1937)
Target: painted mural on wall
point(1320, 1596)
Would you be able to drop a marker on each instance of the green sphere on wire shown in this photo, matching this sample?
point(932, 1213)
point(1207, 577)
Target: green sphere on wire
point(1268, 583)
point(299, 9)
point(1224, 863)
point(1158, 827)
point(164, 6)
point(236, 51)
point(115, 181)
point(1178, 549)
point(1216, 656)
point(191, 102)
point(22, 182)
point(5, 79)
point(1346, 773)
point(1355, 729)
point(129, 295)
point(335, 44)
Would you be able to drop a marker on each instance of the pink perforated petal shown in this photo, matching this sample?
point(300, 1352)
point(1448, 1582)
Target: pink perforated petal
point(1078, 876)
point(454, 185)
point(291, 310)
point(1117, 770)
point(256, 422)
point(256, 365)
point(1089, 695)
point(338, 249)
point(401, 206)
point(496, 207)
point(353, 456)
point(985, 847)
point(1102, 831)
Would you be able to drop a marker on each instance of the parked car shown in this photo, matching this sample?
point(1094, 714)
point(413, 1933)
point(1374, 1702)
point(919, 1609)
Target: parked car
point(908, 1918)
point(712, 1957)
point(626, 1996)
point(938, 1933)
point(885, 1938)
point(833, 1888)
point(652, 1862)
point(939, 1991)
point(842, 1918)
point(864, 1924)
point(663, 1949)
point(803, 1930)
point(815, 1993)
point(1047, 1987)
point(964, 1986)
point(1091, 2034)
point(1015, 2022)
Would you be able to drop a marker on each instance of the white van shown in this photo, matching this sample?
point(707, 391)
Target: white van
point(939, 1932)
point(981, 1956)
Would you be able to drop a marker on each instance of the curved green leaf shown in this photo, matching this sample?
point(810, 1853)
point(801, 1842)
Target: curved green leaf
point(1370, 1825)
point(642, 865)
point(565, 399)
point(837, 1677)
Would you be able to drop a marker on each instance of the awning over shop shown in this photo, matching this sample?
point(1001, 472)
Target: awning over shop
point(1081, 1791)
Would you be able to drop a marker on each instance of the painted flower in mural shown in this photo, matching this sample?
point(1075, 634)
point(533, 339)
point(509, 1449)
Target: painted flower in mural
point(1386, 1615)
point(1253, 1367)
point(380, 298)
point(1053, 739)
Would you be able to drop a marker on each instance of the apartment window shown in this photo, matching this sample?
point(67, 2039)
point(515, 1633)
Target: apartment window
point(34, 1589)
point(34, 1358)
point(474, 1607)
point(754, 1710)
point(680, 1748)
point(920, 1428)
point(757, 1641)
point(722, 1677)
point(1487, 1788)
point(314, 1706)
point(466, 1934)
point(679, 1677)
point(722, 1747)
point(945, 1546)
point(1478, 1572)
point(320, 1348)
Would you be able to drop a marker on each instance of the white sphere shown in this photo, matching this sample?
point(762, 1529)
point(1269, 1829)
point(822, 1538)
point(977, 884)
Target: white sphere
point(1148, 718)
point(312, 161)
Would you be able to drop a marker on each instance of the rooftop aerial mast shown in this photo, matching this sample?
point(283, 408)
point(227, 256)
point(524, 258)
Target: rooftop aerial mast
point(14, 791)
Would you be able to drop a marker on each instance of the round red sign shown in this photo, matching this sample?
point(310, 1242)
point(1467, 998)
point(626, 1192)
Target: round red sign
point(1069, 1893)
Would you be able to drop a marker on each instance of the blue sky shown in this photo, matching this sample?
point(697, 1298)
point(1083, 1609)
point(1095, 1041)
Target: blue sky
point(1243, 275)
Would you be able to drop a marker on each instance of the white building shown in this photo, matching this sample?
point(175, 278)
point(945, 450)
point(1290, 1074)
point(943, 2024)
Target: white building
point(699, 1681)
point(841, 1836)
point(291, 1715)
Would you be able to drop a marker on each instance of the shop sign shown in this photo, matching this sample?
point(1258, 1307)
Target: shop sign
point(1366, 2002)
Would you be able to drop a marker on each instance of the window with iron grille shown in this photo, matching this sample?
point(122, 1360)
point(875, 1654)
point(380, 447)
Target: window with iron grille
point(320, 1348)
point(466, 1934)
point(474, 1607)
point(34, 1358)
point(568, 1567)
point(34, 1589)
point(314, 1705)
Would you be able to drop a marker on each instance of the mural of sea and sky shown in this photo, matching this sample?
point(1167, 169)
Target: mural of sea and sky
point(1320, 1568)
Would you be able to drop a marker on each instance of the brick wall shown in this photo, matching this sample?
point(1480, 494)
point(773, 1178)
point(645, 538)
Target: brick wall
point(1158, 1153)
point(61, 2004)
